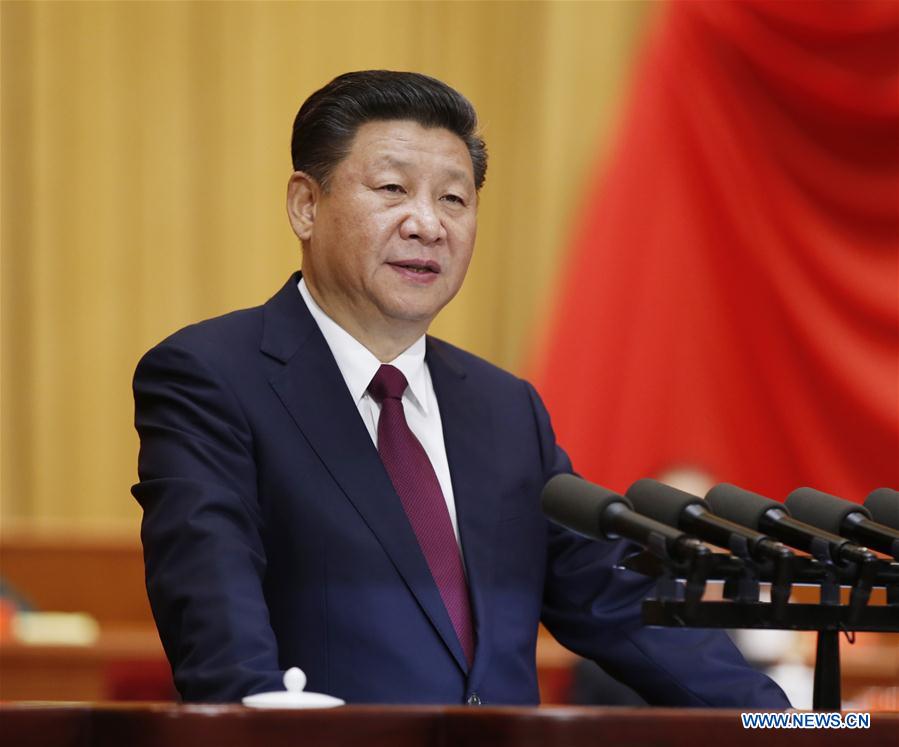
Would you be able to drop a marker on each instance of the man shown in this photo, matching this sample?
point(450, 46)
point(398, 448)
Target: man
point(326, 487)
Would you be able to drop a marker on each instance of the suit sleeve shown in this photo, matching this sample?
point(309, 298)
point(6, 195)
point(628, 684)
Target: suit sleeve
point(593, 609)
point(202, 529)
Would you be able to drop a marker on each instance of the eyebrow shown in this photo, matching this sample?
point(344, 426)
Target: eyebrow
point(399, 163)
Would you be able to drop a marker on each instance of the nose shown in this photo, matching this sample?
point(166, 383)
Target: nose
point(423, 223)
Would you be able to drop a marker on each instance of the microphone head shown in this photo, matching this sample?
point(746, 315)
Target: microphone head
point(822, 510)
point(660, 501)
point(577, 504)
point(883, 504)
point(741, 506)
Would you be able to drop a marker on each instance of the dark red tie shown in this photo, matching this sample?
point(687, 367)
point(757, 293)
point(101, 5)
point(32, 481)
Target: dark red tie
point(415, 481)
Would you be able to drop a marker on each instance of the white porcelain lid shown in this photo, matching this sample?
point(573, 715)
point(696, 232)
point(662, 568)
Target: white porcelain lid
point(293, 696)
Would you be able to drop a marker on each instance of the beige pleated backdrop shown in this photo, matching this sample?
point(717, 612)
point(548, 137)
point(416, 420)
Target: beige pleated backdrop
point(145, 153)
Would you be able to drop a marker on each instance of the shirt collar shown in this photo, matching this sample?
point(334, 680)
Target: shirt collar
point(358, 364)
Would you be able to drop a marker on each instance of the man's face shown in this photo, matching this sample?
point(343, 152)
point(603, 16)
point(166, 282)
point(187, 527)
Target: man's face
point(388, 243)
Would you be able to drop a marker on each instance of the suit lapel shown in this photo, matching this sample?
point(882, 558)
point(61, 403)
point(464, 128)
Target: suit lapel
point(312, 389)
point(468, 436)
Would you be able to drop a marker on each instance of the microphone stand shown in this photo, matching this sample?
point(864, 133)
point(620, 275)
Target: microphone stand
point(676, 604)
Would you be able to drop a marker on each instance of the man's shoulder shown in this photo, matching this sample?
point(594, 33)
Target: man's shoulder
point(223, 342)
point(235, 328)
point(237, 331)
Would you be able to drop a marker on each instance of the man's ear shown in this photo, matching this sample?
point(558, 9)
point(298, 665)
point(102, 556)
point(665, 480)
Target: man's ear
point(303, 193)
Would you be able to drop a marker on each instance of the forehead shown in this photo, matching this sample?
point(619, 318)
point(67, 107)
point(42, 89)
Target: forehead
point(404, 143)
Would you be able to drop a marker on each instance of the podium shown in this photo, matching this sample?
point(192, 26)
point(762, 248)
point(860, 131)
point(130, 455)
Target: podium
point(169, 725)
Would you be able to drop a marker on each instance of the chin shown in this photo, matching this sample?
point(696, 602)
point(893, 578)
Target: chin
point(413, 317)
point(412, 312)
point(413, 307)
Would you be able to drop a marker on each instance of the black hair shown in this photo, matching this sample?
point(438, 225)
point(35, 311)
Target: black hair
point(327, 121)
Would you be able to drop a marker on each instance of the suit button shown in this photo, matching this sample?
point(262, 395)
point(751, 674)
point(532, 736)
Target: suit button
point(473, 700)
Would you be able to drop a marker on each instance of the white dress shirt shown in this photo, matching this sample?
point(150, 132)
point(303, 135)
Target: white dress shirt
point(358, 366)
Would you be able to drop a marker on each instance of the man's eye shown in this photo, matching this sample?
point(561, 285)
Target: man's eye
point(393, 188)
point(454, 198)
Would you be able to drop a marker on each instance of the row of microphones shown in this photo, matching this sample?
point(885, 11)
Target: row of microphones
point(672, 525)
point(665, 519)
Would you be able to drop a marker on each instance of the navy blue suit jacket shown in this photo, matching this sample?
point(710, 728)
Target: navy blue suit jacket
point(274, 538)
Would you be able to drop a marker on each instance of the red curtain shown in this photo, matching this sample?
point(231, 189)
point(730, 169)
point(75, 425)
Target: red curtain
point(731, 298)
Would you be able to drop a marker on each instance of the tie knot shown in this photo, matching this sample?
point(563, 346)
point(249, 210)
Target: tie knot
point(387, 383)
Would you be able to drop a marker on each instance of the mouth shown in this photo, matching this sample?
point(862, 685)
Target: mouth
point(417, 266)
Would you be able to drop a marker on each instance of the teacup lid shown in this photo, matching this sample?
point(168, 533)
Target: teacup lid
point(293, 696)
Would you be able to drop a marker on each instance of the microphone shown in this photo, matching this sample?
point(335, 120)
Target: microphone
point(600, 513)
point(754, 510)
point(883, 504)
point(842, 517)
point(691, 513)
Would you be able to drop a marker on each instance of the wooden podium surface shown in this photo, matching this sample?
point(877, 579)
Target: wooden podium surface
point(169, 725)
